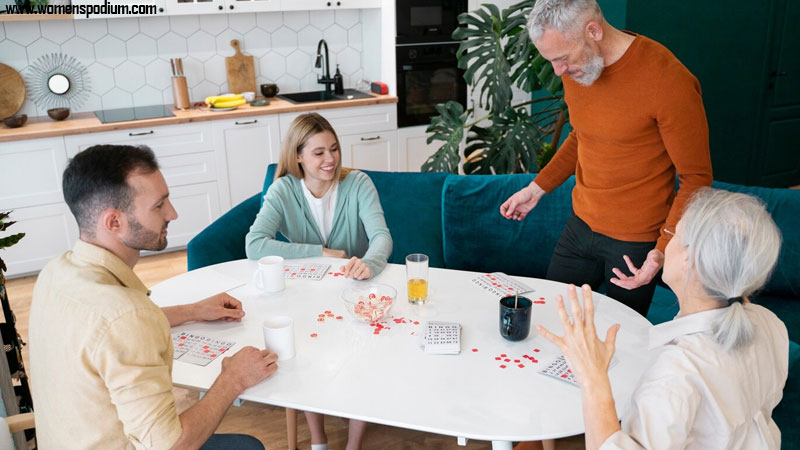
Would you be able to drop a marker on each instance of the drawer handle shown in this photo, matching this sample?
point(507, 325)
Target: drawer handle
point(371, 139)
point(246, 123)
point(142, 133)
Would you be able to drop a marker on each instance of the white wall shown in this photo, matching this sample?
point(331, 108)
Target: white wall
point(127, 59)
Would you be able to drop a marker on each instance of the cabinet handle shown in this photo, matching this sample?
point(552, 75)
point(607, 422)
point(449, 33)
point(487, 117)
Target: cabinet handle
point(160, 9)
point(371, 139)
point(220, 7)
point(329, 3)
point(246, 123)
point(143, 133)
point(231, 7)
point(338, 3)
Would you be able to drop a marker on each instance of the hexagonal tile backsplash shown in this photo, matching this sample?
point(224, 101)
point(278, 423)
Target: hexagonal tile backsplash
point(127, 59)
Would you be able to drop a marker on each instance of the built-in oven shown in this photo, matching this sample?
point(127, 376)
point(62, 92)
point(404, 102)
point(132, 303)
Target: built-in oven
point(426, 76)
point(423, 21)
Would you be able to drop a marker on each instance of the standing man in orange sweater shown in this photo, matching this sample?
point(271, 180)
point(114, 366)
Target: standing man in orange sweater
point(638, 119)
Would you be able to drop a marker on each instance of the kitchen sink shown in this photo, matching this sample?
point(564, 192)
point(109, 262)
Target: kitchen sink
point(323, 96)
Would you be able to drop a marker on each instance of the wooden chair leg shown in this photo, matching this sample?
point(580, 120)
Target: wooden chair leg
point(291, 428)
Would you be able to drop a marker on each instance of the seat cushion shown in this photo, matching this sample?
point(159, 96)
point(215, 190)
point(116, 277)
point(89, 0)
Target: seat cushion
point(478, 238)
point(412, 206)
point(784, 206)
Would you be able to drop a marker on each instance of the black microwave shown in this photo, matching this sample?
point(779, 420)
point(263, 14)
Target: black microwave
point(425, 21)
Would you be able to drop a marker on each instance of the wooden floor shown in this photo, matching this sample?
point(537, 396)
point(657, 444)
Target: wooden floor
point(266, 423)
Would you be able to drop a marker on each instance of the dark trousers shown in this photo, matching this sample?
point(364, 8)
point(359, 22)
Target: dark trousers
point(582, 257)
point(232, 442)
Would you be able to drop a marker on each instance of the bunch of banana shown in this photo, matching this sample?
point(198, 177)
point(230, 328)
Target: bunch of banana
point(225, 101)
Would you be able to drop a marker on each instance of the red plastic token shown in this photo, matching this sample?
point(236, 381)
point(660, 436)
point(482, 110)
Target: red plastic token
point(180, 344)
point(313, 335)
point(213, 355)
point(339, 317)
point(507, 360)
point(474, 349)
point(321, 319)
point(564, 376)
point(503, 355)
point(536, 350)
point(502, 366)
point(521, 366)
point(516, 360)
point(497, 358)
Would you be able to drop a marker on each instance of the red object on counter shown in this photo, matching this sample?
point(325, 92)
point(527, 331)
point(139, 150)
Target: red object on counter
point(379, 88)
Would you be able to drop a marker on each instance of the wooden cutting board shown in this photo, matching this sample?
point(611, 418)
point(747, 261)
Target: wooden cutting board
point(12, 91)
point(241, 74)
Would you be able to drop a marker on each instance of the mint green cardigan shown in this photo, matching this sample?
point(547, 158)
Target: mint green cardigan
point(358, 225)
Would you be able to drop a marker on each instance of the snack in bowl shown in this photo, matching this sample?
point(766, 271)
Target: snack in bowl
point(369, 302)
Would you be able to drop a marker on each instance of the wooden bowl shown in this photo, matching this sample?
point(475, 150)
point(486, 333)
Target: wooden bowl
point(16, 121)
point(58, 113)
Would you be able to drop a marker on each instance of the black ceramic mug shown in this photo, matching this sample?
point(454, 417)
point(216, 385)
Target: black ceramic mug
point(515, 323)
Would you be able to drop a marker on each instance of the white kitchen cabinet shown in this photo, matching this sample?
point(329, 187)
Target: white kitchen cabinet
point(167, 140)
point(197, 206)
point(294, 5)
point(187, 158)
point(30, 172)
point(367, 134)
point(30, 185)
point(184, 7)
point(50, 230)
point(235, 6)
point(135, 8)
point(245, 147)
point(373, 151)
point(413, 149)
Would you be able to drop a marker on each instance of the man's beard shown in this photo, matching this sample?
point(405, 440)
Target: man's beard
point(140, 238)
point(590, 71)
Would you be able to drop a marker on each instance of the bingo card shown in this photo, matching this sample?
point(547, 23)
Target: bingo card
point(198, 350)
point(500, 285)
point(310, 271)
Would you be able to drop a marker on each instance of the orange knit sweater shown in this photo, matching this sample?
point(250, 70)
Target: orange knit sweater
point(634, 128)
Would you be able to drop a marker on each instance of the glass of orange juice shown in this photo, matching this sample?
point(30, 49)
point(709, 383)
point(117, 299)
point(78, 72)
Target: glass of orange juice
point(417, 276)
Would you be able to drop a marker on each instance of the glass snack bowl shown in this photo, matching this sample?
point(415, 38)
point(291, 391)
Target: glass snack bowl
point(369, 302)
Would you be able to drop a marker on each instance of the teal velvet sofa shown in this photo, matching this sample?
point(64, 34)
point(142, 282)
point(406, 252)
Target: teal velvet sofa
point(455, 220)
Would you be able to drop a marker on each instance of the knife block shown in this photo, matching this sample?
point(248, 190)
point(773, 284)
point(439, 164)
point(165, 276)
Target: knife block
point(180, 92)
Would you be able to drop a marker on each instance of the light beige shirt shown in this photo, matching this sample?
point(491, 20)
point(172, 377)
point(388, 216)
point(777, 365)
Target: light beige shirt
point(696, 395)
point(101, 357)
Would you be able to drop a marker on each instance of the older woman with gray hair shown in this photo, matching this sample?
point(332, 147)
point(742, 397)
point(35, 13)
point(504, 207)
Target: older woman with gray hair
point(720, 365)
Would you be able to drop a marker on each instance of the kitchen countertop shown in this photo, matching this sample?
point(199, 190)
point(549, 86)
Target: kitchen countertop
point(87, 122)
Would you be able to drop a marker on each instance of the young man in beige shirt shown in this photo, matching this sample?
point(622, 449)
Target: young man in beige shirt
point(101, 350)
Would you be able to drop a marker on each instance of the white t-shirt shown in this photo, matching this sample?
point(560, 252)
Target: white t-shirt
point(322, 209)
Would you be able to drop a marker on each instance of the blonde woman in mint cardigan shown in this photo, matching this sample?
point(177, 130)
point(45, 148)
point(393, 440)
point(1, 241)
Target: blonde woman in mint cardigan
point(323, 210)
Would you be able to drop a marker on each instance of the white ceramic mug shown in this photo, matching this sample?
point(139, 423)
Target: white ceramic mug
point(279, 336)
point(269, 276)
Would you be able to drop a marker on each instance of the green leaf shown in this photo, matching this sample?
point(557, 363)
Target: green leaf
point(447, 127)
point(8, 241)
point(481, 56)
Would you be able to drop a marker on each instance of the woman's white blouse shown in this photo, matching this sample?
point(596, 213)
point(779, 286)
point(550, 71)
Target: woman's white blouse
point(696, 395)
point(322, 209)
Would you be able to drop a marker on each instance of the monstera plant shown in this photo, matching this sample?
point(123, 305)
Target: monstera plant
point(496, 54)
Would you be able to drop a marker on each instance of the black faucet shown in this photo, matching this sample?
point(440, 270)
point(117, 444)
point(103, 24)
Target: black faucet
point(326, 76)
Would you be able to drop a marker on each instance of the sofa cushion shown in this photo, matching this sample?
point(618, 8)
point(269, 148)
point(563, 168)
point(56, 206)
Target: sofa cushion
point(784, 205)
point(412, 206)
point(478, 238)
point(223, 240)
